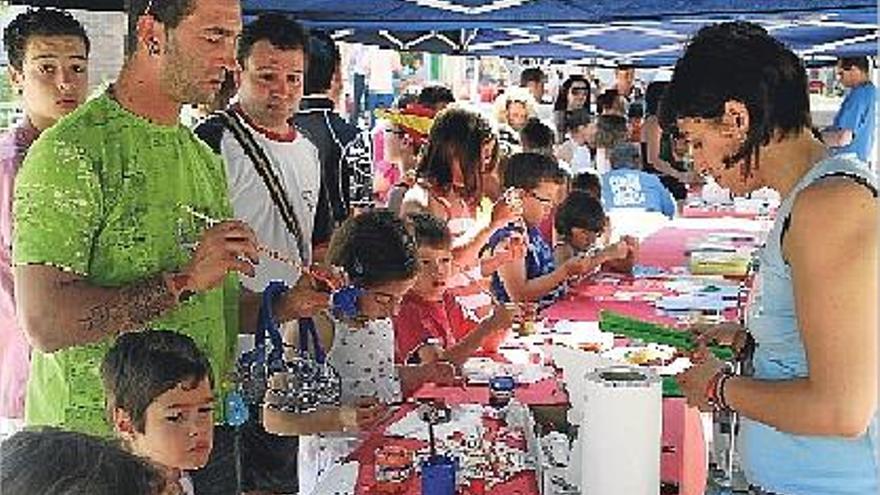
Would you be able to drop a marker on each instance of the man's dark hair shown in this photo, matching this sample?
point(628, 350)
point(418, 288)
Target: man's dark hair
point(582, 210)
point(144, 365)
point(606, 100)
point(653, 97)
point(39, 22)
point(860, 62)
point(740, 61)
point(528, 170)
point(610, 131)
point(589, 182)
point(280, 31)
point(168, 12)
point(430, 231)
point(434, 95)
point(578, 118)
point(404, 100)
point(625, 155)
point(623, 67)
point(374, 247)
point(635, 111)
point(536, 136)
point(532, 74)
point(324, 60)
point(457, 134)
point(57, 462)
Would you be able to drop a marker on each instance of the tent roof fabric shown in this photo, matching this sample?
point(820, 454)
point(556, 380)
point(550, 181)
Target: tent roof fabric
point(640, 32)
point(535, 11)
point(645, 33)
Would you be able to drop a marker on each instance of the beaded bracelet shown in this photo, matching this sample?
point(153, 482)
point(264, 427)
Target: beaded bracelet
point(715, 389)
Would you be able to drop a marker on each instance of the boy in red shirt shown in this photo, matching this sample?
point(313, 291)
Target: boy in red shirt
point(431, 325)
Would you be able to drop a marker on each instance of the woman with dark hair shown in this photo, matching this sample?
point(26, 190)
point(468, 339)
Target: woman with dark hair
point(462, 152)
point(657, 146)
point(810, 408)
point(574, 94)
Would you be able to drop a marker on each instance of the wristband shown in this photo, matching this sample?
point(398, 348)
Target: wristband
point(722, 401)
point(715, 389)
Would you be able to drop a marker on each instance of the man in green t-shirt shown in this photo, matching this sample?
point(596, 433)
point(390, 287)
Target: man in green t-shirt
point(114, 209)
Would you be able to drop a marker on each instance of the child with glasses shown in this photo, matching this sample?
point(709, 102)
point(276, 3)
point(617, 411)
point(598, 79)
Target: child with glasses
point(379, 255)
point(537, 278)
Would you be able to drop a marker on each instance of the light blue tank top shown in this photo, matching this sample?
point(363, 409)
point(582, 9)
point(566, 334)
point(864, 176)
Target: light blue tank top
point(781, 462)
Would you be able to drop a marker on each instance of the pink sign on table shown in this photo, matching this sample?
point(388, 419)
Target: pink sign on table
point(666, 249)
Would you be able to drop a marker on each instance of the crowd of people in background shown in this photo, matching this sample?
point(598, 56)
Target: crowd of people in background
point(448, 224)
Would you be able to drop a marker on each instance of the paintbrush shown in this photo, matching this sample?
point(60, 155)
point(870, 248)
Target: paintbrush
point(271, 253)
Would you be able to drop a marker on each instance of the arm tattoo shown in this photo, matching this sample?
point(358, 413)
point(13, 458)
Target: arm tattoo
point(129, 308)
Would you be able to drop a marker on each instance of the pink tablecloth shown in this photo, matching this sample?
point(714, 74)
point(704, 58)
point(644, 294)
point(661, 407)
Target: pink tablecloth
point(666, 249)
point(683, 462)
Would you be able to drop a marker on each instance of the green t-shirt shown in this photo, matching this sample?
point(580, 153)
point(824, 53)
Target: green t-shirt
point(105, 194)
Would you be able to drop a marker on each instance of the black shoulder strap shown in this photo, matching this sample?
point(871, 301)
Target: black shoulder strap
point(270, 179)
point(211, 132)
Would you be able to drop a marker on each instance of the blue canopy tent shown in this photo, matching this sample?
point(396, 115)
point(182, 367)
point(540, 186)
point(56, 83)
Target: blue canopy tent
point(646, 33)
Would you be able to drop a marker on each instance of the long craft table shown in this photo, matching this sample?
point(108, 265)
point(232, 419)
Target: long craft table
point(684, 457)
point(683, 460)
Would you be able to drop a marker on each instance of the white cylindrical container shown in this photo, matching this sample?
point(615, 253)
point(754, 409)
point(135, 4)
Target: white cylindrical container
point(621, 432)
